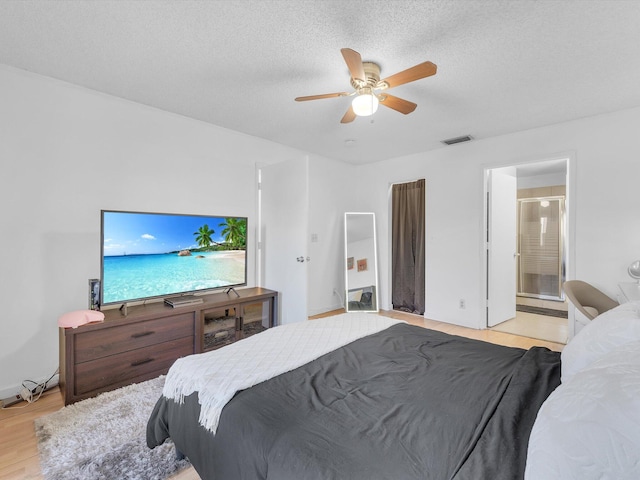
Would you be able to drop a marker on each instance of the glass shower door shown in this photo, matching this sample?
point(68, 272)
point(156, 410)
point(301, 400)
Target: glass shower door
point(541, 247)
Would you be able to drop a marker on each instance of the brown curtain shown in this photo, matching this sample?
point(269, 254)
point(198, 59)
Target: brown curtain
point(408, 246)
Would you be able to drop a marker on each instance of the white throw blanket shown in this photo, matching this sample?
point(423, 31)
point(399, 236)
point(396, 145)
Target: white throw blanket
point(219, 374)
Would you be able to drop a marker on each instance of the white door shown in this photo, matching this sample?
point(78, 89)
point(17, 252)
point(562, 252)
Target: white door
point(283, 235)
point(501, 246)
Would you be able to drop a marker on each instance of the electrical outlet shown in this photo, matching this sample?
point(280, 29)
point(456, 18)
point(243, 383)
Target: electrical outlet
point(462, 304)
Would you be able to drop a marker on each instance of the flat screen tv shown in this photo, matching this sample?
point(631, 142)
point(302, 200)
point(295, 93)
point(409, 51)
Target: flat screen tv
point(154, 255)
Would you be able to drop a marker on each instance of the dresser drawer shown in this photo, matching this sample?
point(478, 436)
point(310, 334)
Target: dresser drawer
point(119, 369)
point(123, 338)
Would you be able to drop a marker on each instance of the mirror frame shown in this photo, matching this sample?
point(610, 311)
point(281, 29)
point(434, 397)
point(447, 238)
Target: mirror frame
point(349, 265)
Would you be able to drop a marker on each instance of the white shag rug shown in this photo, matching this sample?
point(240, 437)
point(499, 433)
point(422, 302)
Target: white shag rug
point(104, 438)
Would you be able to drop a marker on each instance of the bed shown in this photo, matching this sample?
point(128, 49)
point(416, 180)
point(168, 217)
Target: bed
point(382, 401)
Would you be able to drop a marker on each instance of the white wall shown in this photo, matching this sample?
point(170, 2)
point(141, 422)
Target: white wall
point(607, 230)
point(536, 181)
point(331, 194)
point(67, 153)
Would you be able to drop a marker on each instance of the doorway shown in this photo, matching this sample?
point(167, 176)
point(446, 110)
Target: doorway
point(526, 250)
point(282, 236)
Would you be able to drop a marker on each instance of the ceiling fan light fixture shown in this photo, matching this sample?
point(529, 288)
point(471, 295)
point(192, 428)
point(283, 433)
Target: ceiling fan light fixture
point(365, 104)
point(365, 80)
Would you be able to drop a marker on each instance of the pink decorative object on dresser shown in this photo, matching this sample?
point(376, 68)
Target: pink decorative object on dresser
point(80, 317)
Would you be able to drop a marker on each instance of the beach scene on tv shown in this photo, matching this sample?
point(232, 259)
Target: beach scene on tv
point(151, 255)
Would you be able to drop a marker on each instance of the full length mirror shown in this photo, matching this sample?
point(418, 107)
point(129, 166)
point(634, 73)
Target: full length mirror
point(361, 263)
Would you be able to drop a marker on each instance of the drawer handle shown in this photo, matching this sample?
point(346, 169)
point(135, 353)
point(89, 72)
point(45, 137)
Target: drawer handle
point(141, 362)
point(142, 334)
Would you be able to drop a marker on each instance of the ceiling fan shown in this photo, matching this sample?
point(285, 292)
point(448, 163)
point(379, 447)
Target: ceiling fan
point(370, 90)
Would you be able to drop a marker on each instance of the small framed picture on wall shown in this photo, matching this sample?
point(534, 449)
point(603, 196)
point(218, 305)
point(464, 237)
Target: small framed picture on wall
point(362, 265)
point(350, 263)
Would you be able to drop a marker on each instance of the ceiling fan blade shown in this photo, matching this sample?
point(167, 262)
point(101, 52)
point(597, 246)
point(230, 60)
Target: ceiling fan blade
point(317, 97)
point(354, 63)
point(397, 104)
point(412, 74)
point(349, 116)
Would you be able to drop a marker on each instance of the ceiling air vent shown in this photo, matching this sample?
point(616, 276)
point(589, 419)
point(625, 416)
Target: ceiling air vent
point(453, 141)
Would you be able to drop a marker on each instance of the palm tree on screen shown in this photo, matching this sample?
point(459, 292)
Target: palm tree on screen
point(203, 236)
point(235, 231)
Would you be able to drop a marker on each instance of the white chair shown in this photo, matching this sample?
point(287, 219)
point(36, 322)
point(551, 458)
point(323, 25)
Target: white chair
point(590, 301)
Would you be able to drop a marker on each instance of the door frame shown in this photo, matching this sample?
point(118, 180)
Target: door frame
point(570, 205)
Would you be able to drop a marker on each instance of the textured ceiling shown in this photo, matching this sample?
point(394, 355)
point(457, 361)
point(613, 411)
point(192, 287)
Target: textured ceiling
point(503, 66)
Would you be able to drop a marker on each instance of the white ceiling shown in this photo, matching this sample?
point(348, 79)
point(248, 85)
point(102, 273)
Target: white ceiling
point(503, 65)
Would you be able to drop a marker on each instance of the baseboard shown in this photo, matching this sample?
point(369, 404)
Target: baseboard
point(318, 311)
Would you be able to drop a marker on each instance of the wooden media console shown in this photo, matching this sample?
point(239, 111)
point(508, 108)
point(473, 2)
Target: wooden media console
point(122, 350)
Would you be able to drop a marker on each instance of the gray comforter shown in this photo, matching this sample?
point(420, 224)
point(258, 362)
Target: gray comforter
point(405, 403)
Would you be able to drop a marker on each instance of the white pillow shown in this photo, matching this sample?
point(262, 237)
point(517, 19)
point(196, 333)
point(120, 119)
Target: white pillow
point(618, 326)
point(589, 427)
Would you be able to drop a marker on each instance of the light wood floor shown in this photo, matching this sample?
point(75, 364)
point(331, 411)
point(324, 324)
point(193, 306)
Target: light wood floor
point(500, 338)
point(18, 447)
point(553, 329)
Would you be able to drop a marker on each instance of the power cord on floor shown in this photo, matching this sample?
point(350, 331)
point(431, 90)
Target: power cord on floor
point(32, 391)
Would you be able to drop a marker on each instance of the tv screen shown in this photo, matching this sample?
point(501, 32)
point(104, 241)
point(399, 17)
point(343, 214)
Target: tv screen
point(147, 255)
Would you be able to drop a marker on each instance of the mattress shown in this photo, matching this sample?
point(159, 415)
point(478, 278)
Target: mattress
point(402, 403)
